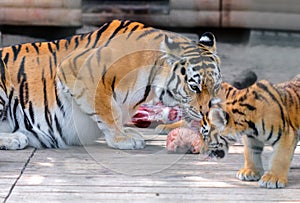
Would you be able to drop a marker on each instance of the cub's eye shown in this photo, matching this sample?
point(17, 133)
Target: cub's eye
point(195, 88)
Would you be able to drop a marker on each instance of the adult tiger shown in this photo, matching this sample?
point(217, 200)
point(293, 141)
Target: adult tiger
point(265, 114)
point(99, 78)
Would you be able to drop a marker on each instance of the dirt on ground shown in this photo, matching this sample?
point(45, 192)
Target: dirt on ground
point(271, 56)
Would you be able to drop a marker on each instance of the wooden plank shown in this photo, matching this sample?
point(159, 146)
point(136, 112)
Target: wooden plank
point(167, 178)
point(261, 20)
point(66, 161)
point(11, 164)
point(141, 197)
point(290, 6)
point(40, 16)
point(180, 18)
point(75, 175)
point(198, 5)
point(123, 8)
point(130, 187)
point(150, 161)
point(157, 193)
point(117, 180)
point(41, 3)
point(184, 18)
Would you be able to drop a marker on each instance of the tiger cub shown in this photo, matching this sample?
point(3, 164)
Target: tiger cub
point(70, 91)
point(265, 114)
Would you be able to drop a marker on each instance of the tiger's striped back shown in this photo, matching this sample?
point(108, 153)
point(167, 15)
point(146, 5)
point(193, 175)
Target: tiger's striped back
point(28, 63)
point(289, 93)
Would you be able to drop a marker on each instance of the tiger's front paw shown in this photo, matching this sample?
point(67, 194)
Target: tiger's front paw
point(272, 181)
point(247, 174)
point(13, 141)
point(133, 141)
point(127, 141)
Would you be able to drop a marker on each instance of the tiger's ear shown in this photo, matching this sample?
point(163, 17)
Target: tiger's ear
point(170, 45)
point(209, 41)
point(171, 48)
point(218, 117)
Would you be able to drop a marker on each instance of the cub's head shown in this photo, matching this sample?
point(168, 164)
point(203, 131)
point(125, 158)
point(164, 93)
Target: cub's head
point(212, 129)
point(215, 145)
point(195, 74)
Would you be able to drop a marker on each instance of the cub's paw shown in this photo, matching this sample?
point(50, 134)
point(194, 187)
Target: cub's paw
point(13, 141)
point(163, 129)
point(247, 174)
point(272, 181)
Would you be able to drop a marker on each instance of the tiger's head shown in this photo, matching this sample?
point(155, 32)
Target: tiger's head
point(195, 74)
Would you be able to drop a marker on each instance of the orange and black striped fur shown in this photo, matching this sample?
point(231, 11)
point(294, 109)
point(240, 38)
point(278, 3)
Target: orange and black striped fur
point(265, 114)
point(69, 91)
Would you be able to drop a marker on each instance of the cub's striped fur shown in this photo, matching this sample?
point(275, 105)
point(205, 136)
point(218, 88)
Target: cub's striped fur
point(69, 91)
point(265, 114)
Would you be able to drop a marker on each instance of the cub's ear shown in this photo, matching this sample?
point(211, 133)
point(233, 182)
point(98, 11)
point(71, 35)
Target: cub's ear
point(218, 117)
point(214, 101)
point(209, 41)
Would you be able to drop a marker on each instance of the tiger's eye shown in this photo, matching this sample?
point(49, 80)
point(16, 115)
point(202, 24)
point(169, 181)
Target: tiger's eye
point(195, 88)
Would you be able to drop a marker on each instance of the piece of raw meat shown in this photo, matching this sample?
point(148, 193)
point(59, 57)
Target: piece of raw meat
point(183, 140)
point(148, 114)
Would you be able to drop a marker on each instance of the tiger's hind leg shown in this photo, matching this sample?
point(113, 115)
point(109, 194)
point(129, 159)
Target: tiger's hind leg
point(13, 141)
point(280, 162)
point(253, 168)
